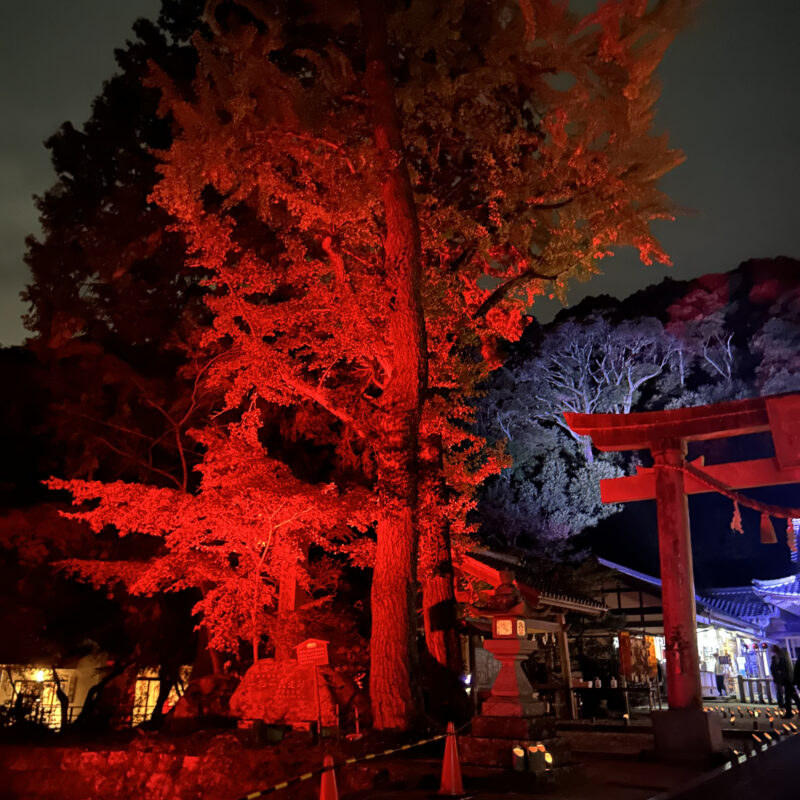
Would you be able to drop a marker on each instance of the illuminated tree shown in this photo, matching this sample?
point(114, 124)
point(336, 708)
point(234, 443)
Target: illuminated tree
point(249, 521)
point(374, 203)
point(550, 492)
point(289, 181)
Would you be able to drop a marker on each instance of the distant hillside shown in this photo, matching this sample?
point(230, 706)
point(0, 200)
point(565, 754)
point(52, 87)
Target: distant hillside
point(718, 337)
point(753, 286)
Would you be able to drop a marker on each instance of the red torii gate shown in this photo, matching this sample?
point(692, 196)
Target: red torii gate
point(665, 434)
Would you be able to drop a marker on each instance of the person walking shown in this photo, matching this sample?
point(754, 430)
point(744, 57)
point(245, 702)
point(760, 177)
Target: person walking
point(783, 675)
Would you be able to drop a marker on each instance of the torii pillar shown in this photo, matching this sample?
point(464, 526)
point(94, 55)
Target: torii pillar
point(677, 577)
point(665, 434)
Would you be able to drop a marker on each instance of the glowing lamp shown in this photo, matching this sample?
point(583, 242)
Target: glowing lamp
point(517, 759)
point(508, 628)
point(536, 758)
point(38, 676)
point(548, 757)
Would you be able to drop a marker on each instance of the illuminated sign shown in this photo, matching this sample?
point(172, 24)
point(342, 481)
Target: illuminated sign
point(508, 628)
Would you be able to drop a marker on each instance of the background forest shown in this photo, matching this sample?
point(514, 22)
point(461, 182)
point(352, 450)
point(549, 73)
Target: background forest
point(676, 344)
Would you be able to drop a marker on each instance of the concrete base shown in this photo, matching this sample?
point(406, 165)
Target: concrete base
point(512, 707)
point(513, 728)
point(686, 734)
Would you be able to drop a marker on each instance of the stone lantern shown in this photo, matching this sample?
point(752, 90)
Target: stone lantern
point(511, 694)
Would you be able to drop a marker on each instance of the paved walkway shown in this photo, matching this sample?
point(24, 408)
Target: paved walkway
point(610, 764)
point(597, 778)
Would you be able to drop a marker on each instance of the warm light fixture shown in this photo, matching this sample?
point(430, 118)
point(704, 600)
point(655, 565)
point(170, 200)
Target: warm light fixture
point(537, 758)
point(39, 676)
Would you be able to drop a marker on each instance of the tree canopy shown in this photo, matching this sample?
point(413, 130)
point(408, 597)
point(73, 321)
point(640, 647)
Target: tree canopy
point(371, 204)
point(690, 349)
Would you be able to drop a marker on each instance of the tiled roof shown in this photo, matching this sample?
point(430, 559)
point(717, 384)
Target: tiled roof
point(784, 587)
point(539, 575)
point(782, 592)
point(738, 601)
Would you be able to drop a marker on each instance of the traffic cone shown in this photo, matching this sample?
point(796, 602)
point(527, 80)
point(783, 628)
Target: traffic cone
point(327, 786)
point(451, 769)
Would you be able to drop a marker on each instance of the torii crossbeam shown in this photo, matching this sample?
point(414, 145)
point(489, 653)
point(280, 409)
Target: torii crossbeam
point(665, 434)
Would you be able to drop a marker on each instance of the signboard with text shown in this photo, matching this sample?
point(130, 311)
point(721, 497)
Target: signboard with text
point(312, 653)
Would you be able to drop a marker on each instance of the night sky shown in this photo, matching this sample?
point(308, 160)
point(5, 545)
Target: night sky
point(729, 101)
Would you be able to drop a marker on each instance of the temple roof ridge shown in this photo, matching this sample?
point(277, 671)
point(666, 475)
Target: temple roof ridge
point(742, 602)
point(633, 573)
point(774, 583)
point(534, 573)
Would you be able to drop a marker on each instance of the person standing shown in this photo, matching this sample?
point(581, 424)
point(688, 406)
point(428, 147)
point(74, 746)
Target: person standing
point(719, 674)
point(783, 675)
point(797, 668)
point(776, 671)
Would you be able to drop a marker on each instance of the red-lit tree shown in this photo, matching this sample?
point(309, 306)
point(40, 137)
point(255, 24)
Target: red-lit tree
point(376, 209)
point(289, 180)
point(528, 135)
point(248, 523)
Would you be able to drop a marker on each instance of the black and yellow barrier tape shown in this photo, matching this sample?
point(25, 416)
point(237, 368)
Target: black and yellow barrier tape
point(308, 775)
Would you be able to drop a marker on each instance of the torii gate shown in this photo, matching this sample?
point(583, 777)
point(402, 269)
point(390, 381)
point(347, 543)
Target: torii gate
point(665, 434)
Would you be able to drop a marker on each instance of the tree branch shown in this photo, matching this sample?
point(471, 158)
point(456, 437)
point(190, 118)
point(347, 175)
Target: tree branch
point(502, 291)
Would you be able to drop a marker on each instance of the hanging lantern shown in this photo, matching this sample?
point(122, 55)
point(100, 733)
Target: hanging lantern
point(767, 530)
point(791, 540)
point(736, 520)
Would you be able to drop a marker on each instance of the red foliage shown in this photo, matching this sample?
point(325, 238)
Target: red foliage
point(370, 232)
point(249, 519)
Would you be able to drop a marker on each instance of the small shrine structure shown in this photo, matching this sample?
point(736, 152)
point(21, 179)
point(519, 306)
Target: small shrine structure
point(520, 607)
point(510, 612)
point(665, 435)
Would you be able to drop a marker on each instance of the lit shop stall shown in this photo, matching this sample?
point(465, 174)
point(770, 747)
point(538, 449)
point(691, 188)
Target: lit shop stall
point(738, 624)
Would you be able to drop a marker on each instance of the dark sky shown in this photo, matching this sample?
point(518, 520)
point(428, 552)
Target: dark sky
point(729, 101)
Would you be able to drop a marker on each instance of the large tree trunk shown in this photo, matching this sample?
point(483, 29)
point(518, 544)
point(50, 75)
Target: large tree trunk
point(393, 641)
point(206, 656)
point(168, 676)
point(439, 613)
point(436, 563)
point(63, 700)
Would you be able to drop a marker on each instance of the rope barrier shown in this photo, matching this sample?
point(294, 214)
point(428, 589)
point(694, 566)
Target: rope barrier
point(306, 776)
point(767, 510)
point(731, 494)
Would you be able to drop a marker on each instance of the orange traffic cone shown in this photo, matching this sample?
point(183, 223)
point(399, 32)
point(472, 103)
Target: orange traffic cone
point(327, 787)
point(451, 769)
